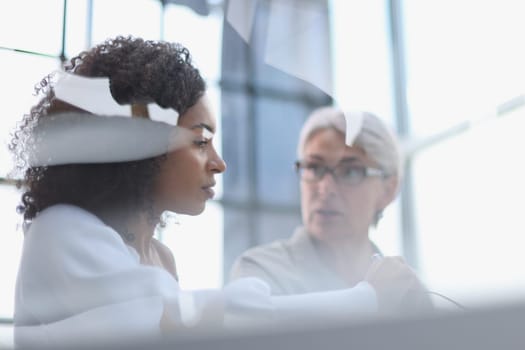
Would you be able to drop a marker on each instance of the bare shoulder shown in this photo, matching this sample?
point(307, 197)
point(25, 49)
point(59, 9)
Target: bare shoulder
point(163, 250)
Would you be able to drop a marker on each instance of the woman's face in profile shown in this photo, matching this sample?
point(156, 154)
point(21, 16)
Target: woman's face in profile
point(186, 178)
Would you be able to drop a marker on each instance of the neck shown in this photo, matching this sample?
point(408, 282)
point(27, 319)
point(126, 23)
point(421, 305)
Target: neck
point(151, 251)
point(142, 231)
point(349, 257)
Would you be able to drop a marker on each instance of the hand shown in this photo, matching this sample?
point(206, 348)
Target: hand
point(397, 287)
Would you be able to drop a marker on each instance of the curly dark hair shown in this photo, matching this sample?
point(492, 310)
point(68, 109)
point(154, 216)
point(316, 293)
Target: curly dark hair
point(139, 71)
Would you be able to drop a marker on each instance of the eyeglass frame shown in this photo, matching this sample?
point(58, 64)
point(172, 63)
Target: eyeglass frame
point(369, 172)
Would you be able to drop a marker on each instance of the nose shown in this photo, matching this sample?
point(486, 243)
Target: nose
point(216, 164)
point(327, 185)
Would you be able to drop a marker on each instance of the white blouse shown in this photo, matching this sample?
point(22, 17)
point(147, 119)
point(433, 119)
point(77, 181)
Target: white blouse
point(78, 282)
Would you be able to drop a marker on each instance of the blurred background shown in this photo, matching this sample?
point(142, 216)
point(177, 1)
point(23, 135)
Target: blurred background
point(448, 76)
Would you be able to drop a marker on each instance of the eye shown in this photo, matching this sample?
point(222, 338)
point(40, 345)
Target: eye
point(316, 169)
point(312, 166)
point(352, 172)
point(201, 143)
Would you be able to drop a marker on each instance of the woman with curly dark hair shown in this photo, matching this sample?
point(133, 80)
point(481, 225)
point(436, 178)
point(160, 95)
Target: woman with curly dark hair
point(92, 174)
point(122, 135)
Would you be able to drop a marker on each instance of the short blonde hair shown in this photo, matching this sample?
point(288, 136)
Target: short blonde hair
point(375, 138)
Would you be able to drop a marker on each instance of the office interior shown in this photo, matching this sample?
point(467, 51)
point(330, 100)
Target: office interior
point(447, 76)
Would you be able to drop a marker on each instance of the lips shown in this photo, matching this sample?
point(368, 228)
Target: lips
point(209, 190)
point(327, 212)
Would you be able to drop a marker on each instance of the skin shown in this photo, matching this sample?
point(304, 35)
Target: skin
point(186, 178)
point(184, 183)
point(338, 216)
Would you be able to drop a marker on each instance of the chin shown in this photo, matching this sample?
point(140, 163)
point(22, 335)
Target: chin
point(196, 210)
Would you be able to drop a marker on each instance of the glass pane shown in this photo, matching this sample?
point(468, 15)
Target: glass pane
point(465, 68)
point(18, 86)
point(235, 146)
point(283, 48)
point(77, 26)
point(197, 244)
point(6, 337)
point(10, 247)
point(235, 59)
point(289, 48)
point(140, 18)
point(240, 233)
point(202, 35)
point(32, 25)
point(278, 124)
point(362, 56)
point(276, 225)
point(387, 234)
point(469, 199)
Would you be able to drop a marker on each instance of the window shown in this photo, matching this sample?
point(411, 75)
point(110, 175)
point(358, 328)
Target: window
point(363, 81)
point(464, 60)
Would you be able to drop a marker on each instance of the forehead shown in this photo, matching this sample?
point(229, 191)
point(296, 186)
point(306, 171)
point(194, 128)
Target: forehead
point(329, 145)
point(198, 114)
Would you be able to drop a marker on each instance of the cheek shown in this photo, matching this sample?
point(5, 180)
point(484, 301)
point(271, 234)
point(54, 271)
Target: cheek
point(306, 195)
point(165, 188)
point(169, 180)
point(179, 169)
point(360, 203)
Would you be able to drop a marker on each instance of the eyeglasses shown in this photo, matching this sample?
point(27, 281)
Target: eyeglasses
point(343, 173)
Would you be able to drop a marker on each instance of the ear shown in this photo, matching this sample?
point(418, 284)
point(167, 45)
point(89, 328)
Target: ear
point(389, 191)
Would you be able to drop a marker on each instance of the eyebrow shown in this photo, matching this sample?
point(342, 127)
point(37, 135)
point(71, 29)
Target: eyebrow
point(343, 160)
point(202, 126)
point(349, 160)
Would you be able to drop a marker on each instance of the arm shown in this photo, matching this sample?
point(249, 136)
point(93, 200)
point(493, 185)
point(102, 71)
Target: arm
point(388, 286)
point(248, 302)
point(344, 303)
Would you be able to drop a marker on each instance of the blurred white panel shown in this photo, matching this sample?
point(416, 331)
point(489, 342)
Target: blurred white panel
point(462, 58)
point(469, 200)
point(10, 247)
point(362, 56)
point(32, 25)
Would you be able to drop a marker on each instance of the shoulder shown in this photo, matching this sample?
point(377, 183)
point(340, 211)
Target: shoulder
point(265, 261)
point(166, 257)
point(69, 230)
point(279, 252)
point(63, 216)
point(161, 247)
point(163, 250)
point(276, 250)
point(279, 264)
